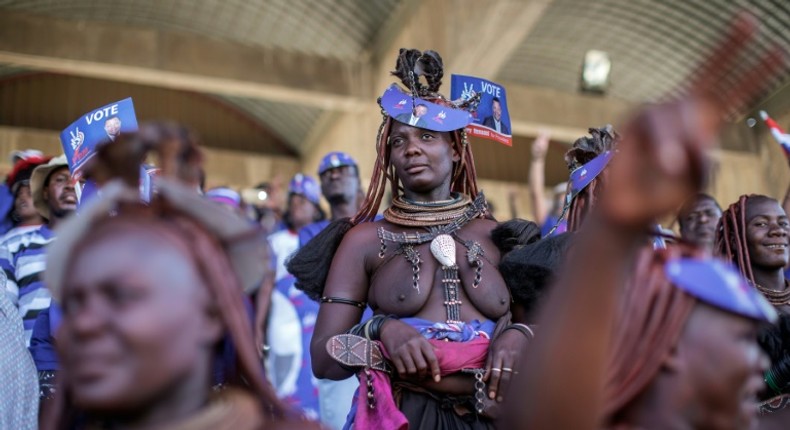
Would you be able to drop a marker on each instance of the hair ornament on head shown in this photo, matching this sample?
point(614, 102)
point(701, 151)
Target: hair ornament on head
point(412, 64)
point(442, 114)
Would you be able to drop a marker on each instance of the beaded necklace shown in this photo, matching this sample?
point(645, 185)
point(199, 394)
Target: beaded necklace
point(442, 220)
point(410, 213)
point(776, 298)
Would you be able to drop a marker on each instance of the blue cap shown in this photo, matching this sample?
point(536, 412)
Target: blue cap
point(719, 285)
point(306, 186)
point(335, 159)
point(224, 195)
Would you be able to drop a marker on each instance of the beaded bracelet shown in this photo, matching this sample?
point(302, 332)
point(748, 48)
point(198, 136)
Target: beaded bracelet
point(370, 329)
point(769, 380)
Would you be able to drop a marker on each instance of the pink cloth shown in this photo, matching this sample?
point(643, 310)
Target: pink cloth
point(452, 357)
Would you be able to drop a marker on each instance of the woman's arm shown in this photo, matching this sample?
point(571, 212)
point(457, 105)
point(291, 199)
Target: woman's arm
point(263, 300)
point(537, 181)
point(347, 279)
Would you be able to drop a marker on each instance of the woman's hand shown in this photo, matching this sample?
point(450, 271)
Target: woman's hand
point(410, 353)
point(502, 362)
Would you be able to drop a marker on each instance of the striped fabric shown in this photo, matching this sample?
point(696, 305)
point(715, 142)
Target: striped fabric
point(18, 389)
point(22, 260)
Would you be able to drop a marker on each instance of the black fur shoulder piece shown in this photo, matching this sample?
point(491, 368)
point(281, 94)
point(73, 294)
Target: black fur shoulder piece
point(511, 234)
point(310, 265)
point(529, 270)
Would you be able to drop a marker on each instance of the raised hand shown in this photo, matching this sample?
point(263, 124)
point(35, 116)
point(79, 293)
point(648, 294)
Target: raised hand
point(541, 145)
point(662, 157)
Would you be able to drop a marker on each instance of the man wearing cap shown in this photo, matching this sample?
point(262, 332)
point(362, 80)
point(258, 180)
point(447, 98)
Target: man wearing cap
point(6, 196)
point(340, 186)
point(23, 264)
point(285, 363)
point(24, 215)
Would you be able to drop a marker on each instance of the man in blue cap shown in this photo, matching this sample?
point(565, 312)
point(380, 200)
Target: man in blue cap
point(340, 186)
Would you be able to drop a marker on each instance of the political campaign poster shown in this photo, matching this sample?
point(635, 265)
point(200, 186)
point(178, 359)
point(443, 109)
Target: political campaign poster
point(405, 108)
point(492, 119)
point(98, 126)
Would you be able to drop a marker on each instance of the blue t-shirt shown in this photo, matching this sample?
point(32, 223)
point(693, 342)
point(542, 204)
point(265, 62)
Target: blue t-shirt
point(551, 220)
point(310, 231)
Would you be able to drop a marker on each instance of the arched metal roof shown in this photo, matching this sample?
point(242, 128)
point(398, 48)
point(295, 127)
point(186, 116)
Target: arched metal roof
point(340, 29)
point(653, 45)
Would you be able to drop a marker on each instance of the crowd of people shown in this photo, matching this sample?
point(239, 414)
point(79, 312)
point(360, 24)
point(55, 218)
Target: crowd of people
point(407, 305)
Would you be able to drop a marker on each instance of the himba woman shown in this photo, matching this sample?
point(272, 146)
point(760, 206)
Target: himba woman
point(754, 234)
point(150, 294)
point(428, 270)
point(634, 338)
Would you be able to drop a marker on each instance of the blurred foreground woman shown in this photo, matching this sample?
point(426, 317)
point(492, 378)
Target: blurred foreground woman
point(633, 338)
point(150, 294)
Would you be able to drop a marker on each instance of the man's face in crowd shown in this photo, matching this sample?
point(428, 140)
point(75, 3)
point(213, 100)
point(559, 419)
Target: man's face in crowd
point(302, 210)
point(340, 184)
point(113, 127)
point(23, 204)
point(59, 193)
point(698, 222)
point(767, 230)
point(497, 110)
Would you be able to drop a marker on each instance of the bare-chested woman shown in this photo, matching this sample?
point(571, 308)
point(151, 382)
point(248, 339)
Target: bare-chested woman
point(428, 270)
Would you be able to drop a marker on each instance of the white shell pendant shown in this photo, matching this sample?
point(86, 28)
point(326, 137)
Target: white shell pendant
point(443, 249)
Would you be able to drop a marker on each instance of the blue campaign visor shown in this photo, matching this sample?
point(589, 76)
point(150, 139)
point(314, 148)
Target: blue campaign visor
point(407, 109)
point(718, 284)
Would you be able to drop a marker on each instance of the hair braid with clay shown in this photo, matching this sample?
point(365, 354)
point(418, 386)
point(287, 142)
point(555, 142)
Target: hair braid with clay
point(651, 316)
point(731, 242)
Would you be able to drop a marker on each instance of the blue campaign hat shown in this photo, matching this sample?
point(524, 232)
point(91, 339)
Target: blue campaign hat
point(335, 159)
point(400, 106)
point(718, 284)
point(305, 186)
